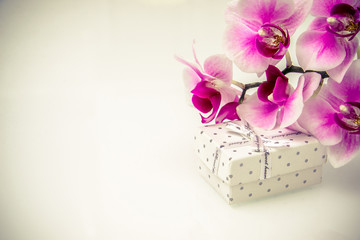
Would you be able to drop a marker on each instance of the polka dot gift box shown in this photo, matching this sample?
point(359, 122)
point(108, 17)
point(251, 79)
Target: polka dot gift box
point(243, 164)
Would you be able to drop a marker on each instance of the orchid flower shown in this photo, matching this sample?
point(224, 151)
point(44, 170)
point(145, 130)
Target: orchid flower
point(330, 43)
point(258, 32)
point(211, 87)
point(276, 103)
point(333, 117)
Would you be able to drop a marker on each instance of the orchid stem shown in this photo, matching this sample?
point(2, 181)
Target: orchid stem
point(288, 59)
point(246, 87)
point(323, 74)
point(319, 88)
point(239, 84)
point(293, 68)
point(297, 69)
point(358, 53)
point(287, 70)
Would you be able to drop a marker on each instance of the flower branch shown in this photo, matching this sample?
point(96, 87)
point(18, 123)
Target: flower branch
point(257, 37)
point(247, 87)
point(296, 69)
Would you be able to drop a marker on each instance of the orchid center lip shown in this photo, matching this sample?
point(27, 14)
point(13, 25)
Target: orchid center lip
point(349, 116)
point(357, 121)
point(272, 41)
point(343, 21)
point(272, 35)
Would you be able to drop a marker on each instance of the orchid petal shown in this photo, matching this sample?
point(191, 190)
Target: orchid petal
point(240, 46)
point(215, 102)
point(196, 68)
point(272, 73)
point(349, 88)
point(204, 90)
point(342, 8)
point(202, 104)
point(281, 90)
point(343, 152)
point(228, 111)
point(318, 24)
point(293, 106)
point(281, 51)
point(318, 118)
point(322, 8)
point(338, 72)
point(191, 79)
point(228, 94)
point(264, 50)
point(232, 16)
point(265, 10)
point(266, 88)
point(219, 66)
point(296, 127)
point(257, 113)
point(311, 83)
point(330, 98)
point(319, 51)
point(301, 10)
point(195, 57)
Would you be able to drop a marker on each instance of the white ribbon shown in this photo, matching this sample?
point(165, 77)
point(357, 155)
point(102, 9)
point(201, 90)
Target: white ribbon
point(261, 144)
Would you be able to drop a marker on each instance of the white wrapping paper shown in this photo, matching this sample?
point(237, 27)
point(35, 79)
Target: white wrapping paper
point(261, 188)
point(240, 170)
point(230, 157)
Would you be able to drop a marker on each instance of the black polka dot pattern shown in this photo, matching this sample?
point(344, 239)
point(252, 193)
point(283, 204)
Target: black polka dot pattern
point(226, 164)
point(262, 188)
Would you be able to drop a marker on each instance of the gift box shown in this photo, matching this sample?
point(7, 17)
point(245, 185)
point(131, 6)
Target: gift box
point(242, 163)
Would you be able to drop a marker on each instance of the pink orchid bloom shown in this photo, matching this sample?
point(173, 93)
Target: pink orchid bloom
point(330, 43)
point(258, 32)
point(333, 117)
point(211, 87)
point(276, 103)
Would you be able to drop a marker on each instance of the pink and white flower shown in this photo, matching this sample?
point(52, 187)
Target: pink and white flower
point(211, 87)
point(333, 117)
point(276, 103)
point(258, 32)
point(330, 43)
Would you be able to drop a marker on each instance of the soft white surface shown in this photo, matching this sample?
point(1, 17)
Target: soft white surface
point(96, 137)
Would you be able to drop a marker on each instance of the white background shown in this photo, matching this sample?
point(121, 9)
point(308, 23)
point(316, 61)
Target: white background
point(96, 138)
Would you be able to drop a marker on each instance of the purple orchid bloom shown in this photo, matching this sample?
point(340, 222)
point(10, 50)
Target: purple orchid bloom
point(276, 103)
point(333, 117)
point(211, 87)
point(258, 32)
point(330, 43)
